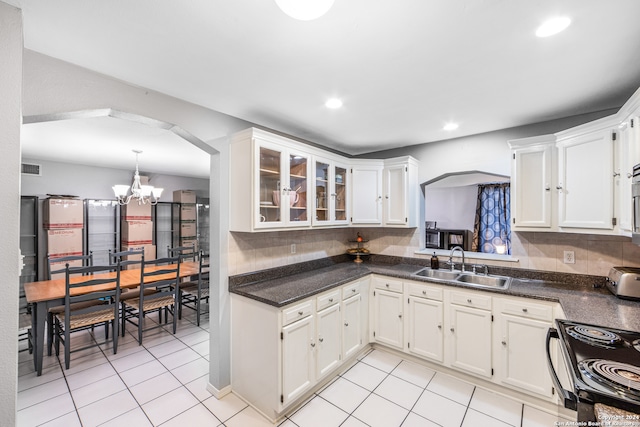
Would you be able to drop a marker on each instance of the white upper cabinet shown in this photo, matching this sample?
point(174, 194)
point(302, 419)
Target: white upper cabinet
point(626, 157)
point(585, 178)
point(331, 192)
point(272, 190)
point(401, 192)
point(366, 194)
point(532, 182)
point(277, 183)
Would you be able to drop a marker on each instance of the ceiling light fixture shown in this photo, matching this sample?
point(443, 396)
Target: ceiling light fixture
point(333, 103)
point(553, 26)
point(305, 10)
point(450, 126)
point(142, 193)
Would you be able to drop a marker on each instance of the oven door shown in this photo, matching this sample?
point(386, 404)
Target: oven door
point(569, 399)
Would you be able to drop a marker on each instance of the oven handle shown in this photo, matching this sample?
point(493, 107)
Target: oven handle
point(569, 399)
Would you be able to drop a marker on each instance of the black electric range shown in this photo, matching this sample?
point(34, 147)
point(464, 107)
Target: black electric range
point(604, 365)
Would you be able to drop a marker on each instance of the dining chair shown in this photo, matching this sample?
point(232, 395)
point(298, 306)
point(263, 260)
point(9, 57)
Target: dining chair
point(193, 292)
point(86, 306)
point(161, 275)
point(185, 253)
point(129, 260)
point(57, 266)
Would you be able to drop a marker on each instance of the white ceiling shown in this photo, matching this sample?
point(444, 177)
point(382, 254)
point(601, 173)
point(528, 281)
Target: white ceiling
point(403, 68)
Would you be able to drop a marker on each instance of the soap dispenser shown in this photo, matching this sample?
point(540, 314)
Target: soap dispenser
point(435, 263)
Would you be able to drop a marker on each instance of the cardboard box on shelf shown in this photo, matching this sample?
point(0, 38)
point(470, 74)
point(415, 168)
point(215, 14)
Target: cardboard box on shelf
point(184, 196)
point(149, 252)
point(187, 229)
point(64, 242)
point(135, 212)
point(63, 213)
point(188, 212)
point(136, 233)
point(190, 242)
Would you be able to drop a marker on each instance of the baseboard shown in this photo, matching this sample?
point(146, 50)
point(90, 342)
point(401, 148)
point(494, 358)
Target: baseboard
point(218, 394)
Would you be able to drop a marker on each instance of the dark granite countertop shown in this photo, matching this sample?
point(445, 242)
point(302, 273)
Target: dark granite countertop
point(579, 299)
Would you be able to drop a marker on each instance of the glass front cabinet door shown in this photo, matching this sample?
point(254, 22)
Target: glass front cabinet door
point(330, 193)
point(281, 186)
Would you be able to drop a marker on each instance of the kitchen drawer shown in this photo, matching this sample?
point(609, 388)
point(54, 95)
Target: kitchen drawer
point(388, 284)
point(422, 291)
point(294, 313)
point(326, 300)
point(470, 299)
point(350, 290)
point(527, 309)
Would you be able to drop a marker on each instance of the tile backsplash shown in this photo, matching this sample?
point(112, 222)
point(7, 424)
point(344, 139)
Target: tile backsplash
point(594, 254)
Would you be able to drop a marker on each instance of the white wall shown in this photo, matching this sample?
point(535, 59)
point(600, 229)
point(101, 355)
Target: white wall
point(10, 120)
point(91, 182)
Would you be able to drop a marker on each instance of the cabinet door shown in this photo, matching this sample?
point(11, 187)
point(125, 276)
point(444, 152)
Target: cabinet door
point(299, 168)
point(425, 328)
point(340, 195)
point(366, 199)
point(523, 357)
point(269, 192)
point(351, 325)
point(624, 175)
point(322, 181)
point(531, 186)
point(470, 339)
point(328, 344)
point(388, 322)
point(586, 181)
point(395, 195)
point(297, 358)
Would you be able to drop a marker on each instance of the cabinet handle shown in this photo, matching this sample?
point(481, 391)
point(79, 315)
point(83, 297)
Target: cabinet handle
point(629, 175)
point(439, 326)
point(386, 284)
point(330, 299)
point(524, 310)
point(386, 197)
point(504, 342)
point(313, 344)
point(399, 316)
point(615, 174)
point(547, 187)
point(353, 290)
point(452, 330)
point(321, 339)
point(300, 313)
point(346, 324)
point(469, 300)
point(424, 292)
point(558, 187)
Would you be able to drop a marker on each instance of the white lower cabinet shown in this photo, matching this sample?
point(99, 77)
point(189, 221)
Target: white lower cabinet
point(351, 324)
point(328, 345)
point(298, 342)
point(521, 338)
point(425, 335)
point(470, 324)
point(388, 324)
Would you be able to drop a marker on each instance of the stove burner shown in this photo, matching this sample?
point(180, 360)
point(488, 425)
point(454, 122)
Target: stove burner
point(617, 375)
point(593, 335)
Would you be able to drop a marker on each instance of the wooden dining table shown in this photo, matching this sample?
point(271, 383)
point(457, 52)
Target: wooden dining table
point(45, 294)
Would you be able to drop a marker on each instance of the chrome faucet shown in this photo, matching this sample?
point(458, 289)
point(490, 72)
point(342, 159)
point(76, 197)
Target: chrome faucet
point(456, 248)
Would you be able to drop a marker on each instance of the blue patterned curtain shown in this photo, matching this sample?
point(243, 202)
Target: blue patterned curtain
point(492, 230)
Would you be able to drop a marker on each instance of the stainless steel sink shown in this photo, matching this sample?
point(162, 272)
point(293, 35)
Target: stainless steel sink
point(438, 274)
point(499, 282)
point(468, 279)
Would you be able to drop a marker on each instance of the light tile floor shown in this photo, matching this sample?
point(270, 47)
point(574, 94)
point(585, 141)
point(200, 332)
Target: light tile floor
point(163, 383)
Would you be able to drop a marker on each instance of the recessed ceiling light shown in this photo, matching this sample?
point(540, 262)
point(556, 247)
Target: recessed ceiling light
point(553, 26)
point(450, 126)
point(333, 103)
point(306, 10)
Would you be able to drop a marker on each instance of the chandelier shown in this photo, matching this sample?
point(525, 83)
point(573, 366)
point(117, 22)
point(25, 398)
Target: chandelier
point(142, 193)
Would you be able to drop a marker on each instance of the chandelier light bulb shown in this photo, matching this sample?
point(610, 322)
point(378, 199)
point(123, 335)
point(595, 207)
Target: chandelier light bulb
point(305, 10)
